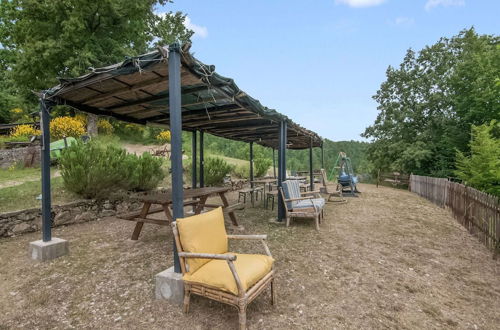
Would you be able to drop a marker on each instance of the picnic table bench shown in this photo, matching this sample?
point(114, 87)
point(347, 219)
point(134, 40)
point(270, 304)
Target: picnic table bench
point(161, 201)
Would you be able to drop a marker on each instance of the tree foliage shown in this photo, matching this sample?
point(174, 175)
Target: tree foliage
point(45, 39)
point(481, 169)
point(297, 160)
point(428, 104)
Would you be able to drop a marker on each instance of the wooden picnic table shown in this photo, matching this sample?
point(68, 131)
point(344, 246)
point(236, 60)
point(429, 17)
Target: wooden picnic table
point(270, 181)
point(265, 182)
point(296, 177)
point(160, 202)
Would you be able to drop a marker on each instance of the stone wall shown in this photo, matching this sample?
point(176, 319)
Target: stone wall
point(25, 221)
point(28, 156)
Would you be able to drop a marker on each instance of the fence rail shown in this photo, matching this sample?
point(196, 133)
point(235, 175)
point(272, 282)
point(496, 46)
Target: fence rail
point(477, 211)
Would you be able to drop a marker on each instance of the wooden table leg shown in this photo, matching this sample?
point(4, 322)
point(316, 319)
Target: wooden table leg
point(139, 224)
point(231, 214)
point(201, 204)
point(166, 209)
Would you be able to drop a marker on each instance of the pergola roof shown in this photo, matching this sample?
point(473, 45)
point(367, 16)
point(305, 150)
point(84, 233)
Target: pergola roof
point(136, 90)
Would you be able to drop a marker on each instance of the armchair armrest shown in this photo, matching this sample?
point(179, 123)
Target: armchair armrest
point(247, 237)
point(298, 199)
point(228, 257)
point(261, 238)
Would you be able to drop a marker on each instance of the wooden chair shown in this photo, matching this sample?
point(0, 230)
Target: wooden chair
point(209, 270)
point(328, 190)
point(270, 197)
point(253, 193)
point(301, 205)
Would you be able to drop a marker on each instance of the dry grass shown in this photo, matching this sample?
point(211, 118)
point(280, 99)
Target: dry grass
point(388, 259)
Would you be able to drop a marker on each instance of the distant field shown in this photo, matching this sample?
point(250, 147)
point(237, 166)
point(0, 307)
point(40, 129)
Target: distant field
point(234, 161)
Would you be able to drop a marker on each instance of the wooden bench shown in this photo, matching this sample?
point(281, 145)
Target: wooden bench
point(227, 209)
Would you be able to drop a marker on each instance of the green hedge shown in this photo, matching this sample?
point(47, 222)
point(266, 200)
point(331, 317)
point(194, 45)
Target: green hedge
point(93, 170)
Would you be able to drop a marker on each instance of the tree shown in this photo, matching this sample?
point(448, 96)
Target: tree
point(429, 103)
point(481, 169)
point(60, 38)
point(8, 94)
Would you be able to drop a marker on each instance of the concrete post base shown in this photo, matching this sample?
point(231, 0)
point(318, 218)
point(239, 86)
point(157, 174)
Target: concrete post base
point(44, 251)
point(169, 286)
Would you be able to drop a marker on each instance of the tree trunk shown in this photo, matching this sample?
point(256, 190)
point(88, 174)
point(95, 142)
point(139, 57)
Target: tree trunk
point(92, 124)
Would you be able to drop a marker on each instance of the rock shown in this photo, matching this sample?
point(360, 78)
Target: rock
point(26, 216)
point(20, 228)
point(63, 217)
point(107, 205)
point(107, 213)
point(85, 216)
point(122, 207)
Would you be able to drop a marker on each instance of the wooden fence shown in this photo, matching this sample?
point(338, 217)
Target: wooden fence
point(474, 209)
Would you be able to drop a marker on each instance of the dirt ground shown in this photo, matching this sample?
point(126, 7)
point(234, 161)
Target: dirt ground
point(387, 259)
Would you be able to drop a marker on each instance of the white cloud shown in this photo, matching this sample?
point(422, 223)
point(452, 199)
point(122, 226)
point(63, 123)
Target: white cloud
point(404, 21)
point(199, 31)
point(360, 3)
point(445, 3)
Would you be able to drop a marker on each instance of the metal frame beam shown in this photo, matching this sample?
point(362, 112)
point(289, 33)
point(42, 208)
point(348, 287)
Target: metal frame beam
point(281, 167)
point(202, 161)
point(274, 164)
point(311, 174)
point(174, 87)
point(322, 156)
point(193, 161)
point(251, 165)
point(45, 160)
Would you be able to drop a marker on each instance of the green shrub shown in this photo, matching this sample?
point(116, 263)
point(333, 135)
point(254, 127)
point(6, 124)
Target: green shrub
point(93, 170)
point(143, 172)
point(261, 166)
point(215, 170)
point(135, 133)
point(241, 171)
point(481, 169)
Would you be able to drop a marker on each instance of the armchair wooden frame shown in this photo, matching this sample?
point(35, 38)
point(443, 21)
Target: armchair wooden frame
point(243, 298)
point(308, 212)
point(326, 190)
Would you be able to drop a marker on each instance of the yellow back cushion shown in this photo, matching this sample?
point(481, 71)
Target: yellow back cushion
point(202, 233)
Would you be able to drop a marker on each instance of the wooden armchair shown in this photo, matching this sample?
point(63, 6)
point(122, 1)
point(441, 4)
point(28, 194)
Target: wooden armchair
point(328, 190)
point(209, 270)
point(301, 205)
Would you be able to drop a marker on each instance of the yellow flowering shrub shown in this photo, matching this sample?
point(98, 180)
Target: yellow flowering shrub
point(105, 127)
point(24, 131)
point(66, 126)
point(163, 137)
point(134, 128)
point(82, 118)
point(19, 115)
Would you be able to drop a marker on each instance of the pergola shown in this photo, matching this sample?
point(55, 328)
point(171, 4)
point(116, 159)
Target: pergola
point(171, 88)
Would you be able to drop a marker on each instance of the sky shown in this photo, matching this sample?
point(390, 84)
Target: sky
point(320, 61)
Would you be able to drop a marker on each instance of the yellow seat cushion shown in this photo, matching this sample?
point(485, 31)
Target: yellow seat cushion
point(202, 233)
point(216, 273)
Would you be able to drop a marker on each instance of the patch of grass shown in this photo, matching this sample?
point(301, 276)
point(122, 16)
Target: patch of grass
point(7, 138)
point(16, 173)
point(24, 195)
